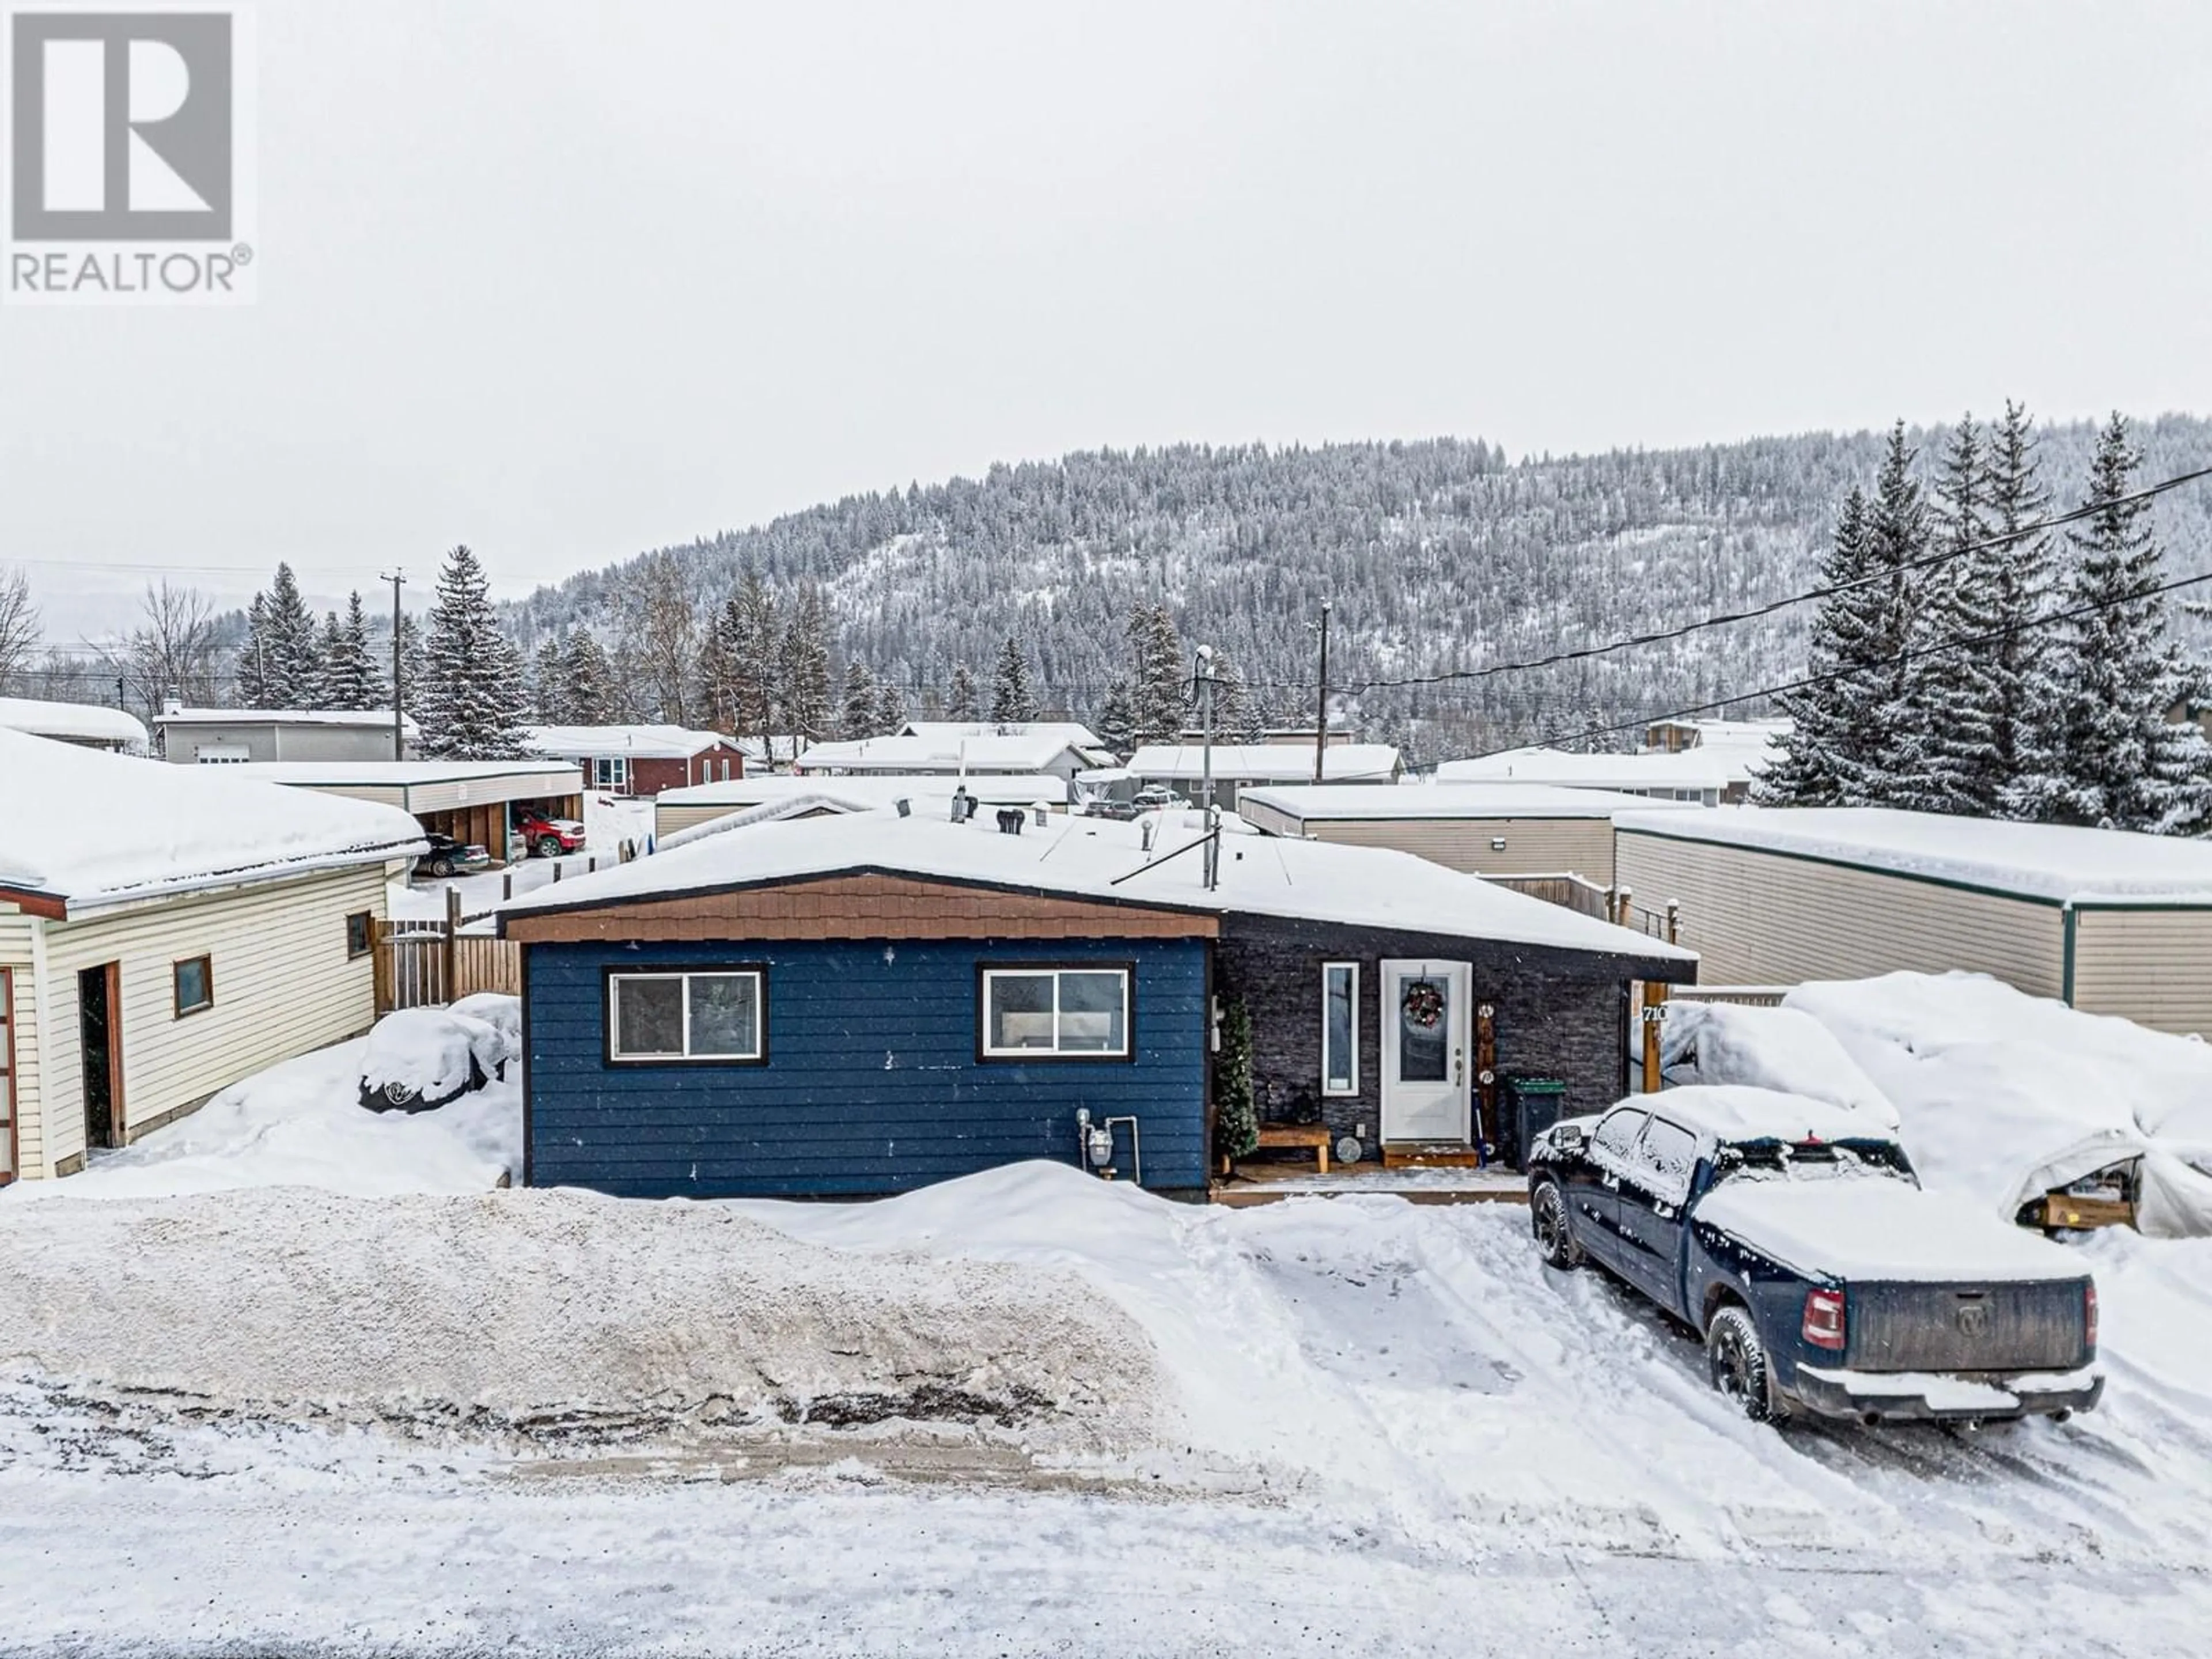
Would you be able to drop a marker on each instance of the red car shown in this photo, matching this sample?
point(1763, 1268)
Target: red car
point(548, 838)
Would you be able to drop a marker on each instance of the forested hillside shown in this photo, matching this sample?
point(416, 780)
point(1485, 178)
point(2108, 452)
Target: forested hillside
point(1436, 555)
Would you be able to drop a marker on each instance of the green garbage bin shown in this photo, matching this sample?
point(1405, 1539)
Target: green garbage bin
point(1532, 1104)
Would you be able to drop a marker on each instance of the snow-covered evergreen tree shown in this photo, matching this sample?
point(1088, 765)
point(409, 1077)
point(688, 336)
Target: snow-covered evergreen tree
point(1896, 542)
point(804, 660)
point(717, 667)
point(858, 719)
point(290, 645)
point(757, 654)
point(1116, 724)
point(2122, 761)
point(1013, 701)
point(890, 708)
point(2017, 572)
point(548, 682)
point(252, 677)
point(1950, 696)
point(349, 677)
point(473, 695)
point(961, 700)
point(1158, 687)
point(588, 695)
point(1827, 751)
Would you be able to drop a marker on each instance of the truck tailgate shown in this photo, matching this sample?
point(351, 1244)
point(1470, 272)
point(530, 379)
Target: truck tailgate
point(2032, 1325)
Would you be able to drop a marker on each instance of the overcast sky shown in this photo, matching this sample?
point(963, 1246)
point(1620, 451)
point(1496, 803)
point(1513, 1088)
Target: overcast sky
point(566, 279)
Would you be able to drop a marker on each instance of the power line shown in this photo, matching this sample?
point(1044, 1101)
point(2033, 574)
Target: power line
point(1661, 636)
point(1958, 642)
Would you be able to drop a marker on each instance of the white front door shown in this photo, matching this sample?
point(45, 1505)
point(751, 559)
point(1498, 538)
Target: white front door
point(1425, 1060)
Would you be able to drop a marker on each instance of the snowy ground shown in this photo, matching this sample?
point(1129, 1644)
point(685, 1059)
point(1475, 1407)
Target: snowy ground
point(1350, 1426)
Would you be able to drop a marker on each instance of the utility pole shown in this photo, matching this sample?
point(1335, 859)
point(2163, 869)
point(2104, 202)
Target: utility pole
point(398, 579)
point(1205, 727)
point(118, 690)
point(1321, 716)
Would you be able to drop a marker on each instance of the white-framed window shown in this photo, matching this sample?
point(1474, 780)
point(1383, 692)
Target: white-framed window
point(1075, 1012)
point(610, 772)
point(713, 1016)
point(1339, 1027)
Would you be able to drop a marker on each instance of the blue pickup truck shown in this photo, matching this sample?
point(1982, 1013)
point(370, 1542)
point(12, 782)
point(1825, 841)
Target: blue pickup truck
point(1793, 1237)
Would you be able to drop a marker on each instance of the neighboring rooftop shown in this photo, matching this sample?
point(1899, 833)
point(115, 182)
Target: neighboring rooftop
point(639, 742)
point(938, 746)
point(1342, 762)
point(1704, 769)
point(110, 828)
point(330, 774)
point(1105, 860)
point(2034, 860)
point(380, 719)
point(73, 722)
point(997, 789)
point(1329, 802)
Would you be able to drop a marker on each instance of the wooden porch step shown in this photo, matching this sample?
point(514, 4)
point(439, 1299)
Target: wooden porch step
point(1422, 1155)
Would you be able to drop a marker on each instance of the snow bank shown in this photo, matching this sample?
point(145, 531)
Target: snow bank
point(1782, 1049)
point(539, 1309)
point(302, 1124)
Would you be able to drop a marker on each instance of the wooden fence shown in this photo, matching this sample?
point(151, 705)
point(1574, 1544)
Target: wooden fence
point(1614, 904)
point(424, 963)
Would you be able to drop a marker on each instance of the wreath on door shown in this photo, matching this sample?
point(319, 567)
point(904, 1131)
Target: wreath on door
point(1424, 1004)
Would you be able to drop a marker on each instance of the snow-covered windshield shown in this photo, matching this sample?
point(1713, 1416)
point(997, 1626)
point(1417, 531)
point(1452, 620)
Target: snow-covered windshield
point(1813, 1160)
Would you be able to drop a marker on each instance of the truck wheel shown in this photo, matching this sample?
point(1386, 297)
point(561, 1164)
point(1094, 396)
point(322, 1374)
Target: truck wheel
point(1737, 1360)
point(1547, 1214)
point(549, 847)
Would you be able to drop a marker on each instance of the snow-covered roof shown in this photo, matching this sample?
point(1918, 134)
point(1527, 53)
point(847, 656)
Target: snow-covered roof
point(1073, 734)
point(639, 742)
point(1755, 735)
point(1279, 762)
point(1105, 860)
point(72, 722)
point(1730, 1112)
point(998, 788)
point(1025, 749)
point(110, 828)
point(2056, 862)
point(331, 774)
point(378, 719)
point(1324, 801)
point(1702, 768)
point(818, 800)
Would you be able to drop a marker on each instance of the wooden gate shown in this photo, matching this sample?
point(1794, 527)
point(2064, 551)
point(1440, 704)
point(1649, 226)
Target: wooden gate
point(422, 964)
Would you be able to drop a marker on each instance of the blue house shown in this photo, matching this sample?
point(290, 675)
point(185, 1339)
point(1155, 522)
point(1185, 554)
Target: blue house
point(864, 1004)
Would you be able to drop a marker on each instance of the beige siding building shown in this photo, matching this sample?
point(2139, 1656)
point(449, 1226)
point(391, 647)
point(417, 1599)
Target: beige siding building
point(166, 932)
point(1482, 829)
point(2111, 922)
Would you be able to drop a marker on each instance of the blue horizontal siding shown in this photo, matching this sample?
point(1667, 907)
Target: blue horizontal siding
point(872, 1085)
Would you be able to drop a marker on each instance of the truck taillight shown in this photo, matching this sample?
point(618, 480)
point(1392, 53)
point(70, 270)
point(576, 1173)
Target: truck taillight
point(1823, 1319)
point(2089, 1310)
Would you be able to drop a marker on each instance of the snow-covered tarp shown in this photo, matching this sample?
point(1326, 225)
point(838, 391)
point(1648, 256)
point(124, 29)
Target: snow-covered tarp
point(1782, 1049)
point(1997, 1090)
point(2035, 861)
point(92, 828)
point(426, 1057)
point(1880, 1228)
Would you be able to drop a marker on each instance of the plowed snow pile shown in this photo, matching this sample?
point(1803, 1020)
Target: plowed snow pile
point(536, 1308)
